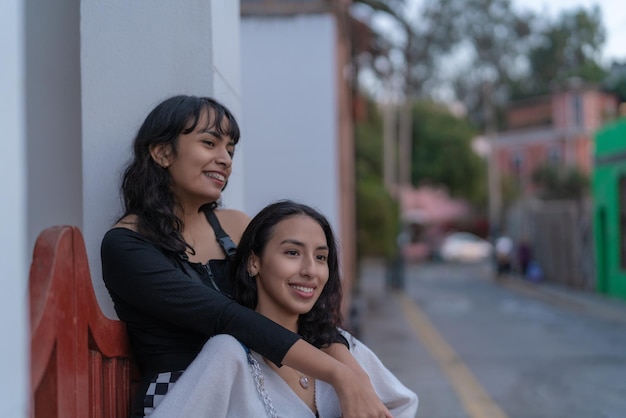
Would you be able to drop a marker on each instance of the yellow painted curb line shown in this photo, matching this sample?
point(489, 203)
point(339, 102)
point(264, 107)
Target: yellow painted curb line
point(473, 397)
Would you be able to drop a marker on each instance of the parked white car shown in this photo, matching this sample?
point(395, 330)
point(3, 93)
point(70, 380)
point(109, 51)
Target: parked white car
point(465, 247)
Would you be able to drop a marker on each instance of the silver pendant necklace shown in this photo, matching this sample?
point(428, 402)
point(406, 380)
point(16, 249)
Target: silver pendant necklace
point(304, 381)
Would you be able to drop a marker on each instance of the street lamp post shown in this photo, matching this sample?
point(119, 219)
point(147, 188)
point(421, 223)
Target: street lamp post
point(389, 147)
point(493, 173)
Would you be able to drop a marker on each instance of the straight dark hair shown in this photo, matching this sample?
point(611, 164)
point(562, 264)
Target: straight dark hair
point(318, 326)
point(146, 186)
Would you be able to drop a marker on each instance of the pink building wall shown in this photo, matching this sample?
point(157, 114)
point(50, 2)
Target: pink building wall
point(552, 129)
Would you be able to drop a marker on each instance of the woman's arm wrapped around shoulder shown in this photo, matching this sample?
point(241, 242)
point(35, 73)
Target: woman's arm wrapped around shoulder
point(141, 278)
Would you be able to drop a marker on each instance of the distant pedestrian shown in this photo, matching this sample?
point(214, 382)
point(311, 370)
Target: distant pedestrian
point(523, 256)
point(503, 253)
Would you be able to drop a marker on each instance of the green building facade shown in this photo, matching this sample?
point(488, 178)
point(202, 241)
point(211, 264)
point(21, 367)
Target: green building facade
point(609, 195)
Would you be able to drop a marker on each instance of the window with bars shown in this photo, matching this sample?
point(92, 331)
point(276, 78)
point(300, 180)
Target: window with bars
point(517, 161)
point(554, 155)
point(577, 107)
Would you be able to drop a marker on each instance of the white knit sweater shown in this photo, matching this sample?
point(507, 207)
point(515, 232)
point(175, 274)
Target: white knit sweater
point(220, 383)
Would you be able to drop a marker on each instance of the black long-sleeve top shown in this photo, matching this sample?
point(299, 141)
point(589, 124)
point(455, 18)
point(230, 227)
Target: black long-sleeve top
point(170, 311)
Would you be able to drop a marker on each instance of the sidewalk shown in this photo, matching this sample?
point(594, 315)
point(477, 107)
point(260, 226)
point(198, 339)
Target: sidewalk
point(386, 330)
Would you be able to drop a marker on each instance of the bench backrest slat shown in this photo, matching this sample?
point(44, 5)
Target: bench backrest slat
point(81, 364)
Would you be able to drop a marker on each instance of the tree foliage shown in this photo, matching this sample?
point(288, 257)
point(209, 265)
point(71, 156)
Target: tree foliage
point(560, 182)
point(408, 62)
point(616, 80)
point(442, 153)
point(464, 44)
point(377, 213)
point(567, 47)
point(377, 221)
point(495, 39)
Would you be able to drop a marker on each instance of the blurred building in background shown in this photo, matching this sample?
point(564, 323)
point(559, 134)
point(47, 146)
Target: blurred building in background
point(553, 129)
point(428, 214)
point(609, 209)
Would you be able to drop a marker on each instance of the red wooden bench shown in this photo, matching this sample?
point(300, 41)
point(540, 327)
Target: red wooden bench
point(81, 365)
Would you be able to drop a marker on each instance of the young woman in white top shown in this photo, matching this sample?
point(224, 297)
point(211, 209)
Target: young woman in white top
point(286, 268)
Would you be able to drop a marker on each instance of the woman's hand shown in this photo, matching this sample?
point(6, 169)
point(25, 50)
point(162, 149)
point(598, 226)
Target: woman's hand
point(357, 397)
point(372, 404)
point(354, 389)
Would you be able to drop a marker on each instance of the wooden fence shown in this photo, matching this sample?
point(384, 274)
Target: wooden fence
point(560, 238)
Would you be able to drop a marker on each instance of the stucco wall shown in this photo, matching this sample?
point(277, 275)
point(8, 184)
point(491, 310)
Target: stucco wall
point(522, 117)
point(290, 112)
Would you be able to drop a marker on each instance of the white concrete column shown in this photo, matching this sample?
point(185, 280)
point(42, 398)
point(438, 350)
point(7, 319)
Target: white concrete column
point(14, 348)
point(53, 115)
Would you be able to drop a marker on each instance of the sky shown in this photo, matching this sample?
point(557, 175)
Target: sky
point(613, 16)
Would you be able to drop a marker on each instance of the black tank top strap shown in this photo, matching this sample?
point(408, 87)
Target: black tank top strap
point(227, 244)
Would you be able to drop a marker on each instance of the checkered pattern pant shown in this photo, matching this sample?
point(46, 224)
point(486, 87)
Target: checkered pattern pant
point(159, 386)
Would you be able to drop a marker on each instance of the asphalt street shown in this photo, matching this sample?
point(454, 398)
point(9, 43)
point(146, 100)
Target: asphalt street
point(471, 346)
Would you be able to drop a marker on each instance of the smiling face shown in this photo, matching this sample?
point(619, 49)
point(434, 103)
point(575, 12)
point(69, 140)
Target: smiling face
point(201, 164)
point(292, 270)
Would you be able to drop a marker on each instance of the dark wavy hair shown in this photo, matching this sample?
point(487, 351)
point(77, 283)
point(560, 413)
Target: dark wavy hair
point(318, 326)
point(146, 186)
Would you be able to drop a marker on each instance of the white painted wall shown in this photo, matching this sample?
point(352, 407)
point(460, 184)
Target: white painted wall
point(53, 114)
point(133, 55)
point(227, 84)
point(13, 226)
point(290, 112)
